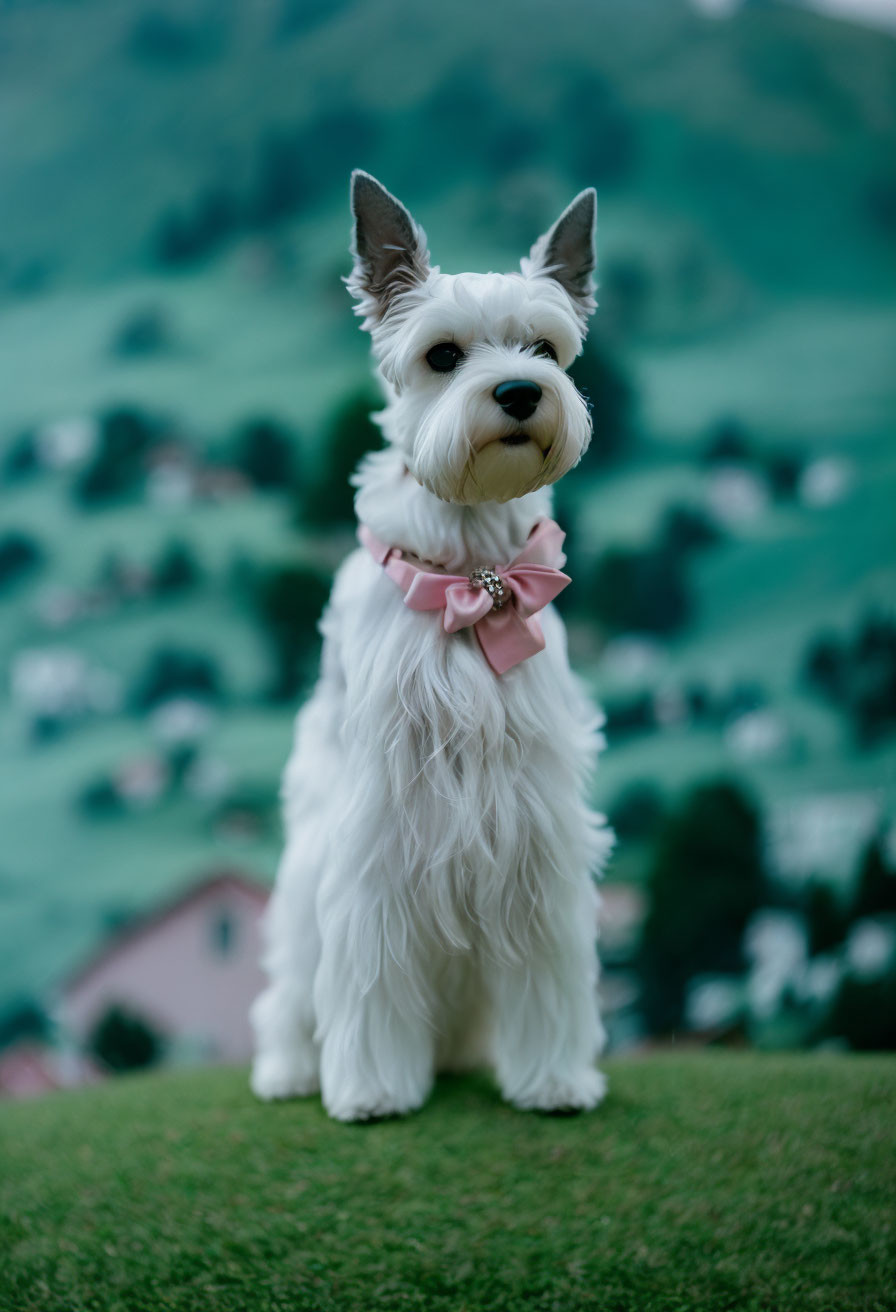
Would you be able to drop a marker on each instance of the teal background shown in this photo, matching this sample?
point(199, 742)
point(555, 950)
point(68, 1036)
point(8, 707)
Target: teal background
point(173, 232)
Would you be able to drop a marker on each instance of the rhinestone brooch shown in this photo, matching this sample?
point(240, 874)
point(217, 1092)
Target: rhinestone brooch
point(488, 579)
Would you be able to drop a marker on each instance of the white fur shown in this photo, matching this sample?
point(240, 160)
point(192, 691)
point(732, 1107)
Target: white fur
point(434, 907)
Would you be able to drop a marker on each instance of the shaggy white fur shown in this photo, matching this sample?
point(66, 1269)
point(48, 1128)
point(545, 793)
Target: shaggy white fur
point(435, 908)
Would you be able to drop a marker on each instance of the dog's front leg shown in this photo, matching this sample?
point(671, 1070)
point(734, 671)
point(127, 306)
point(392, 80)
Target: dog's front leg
point(377, 1046)
point(286, 1058)
point(548, 1032)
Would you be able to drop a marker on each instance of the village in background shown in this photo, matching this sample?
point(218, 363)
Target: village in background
point(186, 392)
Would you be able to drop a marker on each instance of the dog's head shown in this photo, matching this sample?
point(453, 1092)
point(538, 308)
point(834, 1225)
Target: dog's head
point(474, 364)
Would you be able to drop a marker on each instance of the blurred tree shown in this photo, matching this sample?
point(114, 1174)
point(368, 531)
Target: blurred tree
point(872, 693)
point(875, 893)
point(728, 443)
point(634, 713)
point(687, 528)
point(146, 331)
point(858, 674)
point(177, 569)
point(20, 459)
point(247, 812)
point(216, 215)
point(783, 467)
point(125, 436)
point(699, 700)
point(638, 810)
point(610, 396)
point(174, 239)
point(864, 1013)
point(23, 1018)
point(100, 799)
point(290, 598)
point(124, 1041)
point(640, 590)
point(864, 1009)
point(177, 672)
point(705, 882)
point(196, 231)
point(826, 919)
point(329, 499)
point(265, 452)
point(824, 664)
point(20, 554)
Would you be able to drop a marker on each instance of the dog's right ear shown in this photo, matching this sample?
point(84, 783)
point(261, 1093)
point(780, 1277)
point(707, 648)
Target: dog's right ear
point(388, 246)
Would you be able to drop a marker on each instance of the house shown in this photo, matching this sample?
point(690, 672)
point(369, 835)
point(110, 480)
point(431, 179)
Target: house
point(189, 971)
point(26, 1070)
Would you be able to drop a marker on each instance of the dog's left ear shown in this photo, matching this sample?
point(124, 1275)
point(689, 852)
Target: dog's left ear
point(388, 246)
point(566, 252)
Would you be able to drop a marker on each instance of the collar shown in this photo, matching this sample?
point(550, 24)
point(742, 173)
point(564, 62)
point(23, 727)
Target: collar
point(500, 604)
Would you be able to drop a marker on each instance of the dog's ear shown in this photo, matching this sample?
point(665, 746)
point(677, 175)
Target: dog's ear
point(566, 252)
point(388, 246)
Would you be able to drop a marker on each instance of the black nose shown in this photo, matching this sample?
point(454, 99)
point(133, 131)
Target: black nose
point(518, 398)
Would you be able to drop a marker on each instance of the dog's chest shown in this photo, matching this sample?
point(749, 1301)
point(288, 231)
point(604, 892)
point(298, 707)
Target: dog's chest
point(462, 752)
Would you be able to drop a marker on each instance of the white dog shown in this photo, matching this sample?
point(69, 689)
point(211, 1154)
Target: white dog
point(435, 908)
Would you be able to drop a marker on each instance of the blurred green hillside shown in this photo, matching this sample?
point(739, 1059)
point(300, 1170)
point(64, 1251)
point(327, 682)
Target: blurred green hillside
point(173, 233)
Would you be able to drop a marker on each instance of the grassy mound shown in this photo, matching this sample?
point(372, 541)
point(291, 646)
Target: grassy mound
point(705, 1182)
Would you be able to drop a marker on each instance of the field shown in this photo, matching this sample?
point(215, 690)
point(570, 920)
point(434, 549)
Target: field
point(704, 1183)
point(64, 880)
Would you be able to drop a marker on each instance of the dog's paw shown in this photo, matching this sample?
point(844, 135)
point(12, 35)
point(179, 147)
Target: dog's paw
point(373, 1105)
point(274, 1078)
point(559, 1094)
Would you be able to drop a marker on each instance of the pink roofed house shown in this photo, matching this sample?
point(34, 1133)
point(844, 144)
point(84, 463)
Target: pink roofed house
point(189, 970)
point(27, 1069)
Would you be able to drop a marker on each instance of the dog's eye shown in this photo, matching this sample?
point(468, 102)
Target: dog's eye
point(545, 349)
point(444, 357)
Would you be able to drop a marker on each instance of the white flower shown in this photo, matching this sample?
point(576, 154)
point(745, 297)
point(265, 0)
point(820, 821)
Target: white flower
point(756, 734)
point(713, 1000)
point(822, 976)
point(870, 948)
point(776, 943)
point(736, 495)
point(181, 720)
point(66, 442)
point(825, 481)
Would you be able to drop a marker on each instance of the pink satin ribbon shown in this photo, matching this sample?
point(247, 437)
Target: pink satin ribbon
point(507, 636)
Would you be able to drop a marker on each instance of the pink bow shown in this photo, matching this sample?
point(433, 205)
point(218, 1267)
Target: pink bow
point(506, 636)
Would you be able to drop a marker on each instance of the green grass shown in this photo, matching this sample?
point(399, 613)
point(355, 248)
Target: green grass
point(710, 1181)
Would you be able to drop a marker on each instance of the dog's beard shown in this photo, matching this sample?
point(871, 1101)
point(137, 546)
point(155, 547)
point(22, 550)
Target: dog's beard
point(467, 450)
